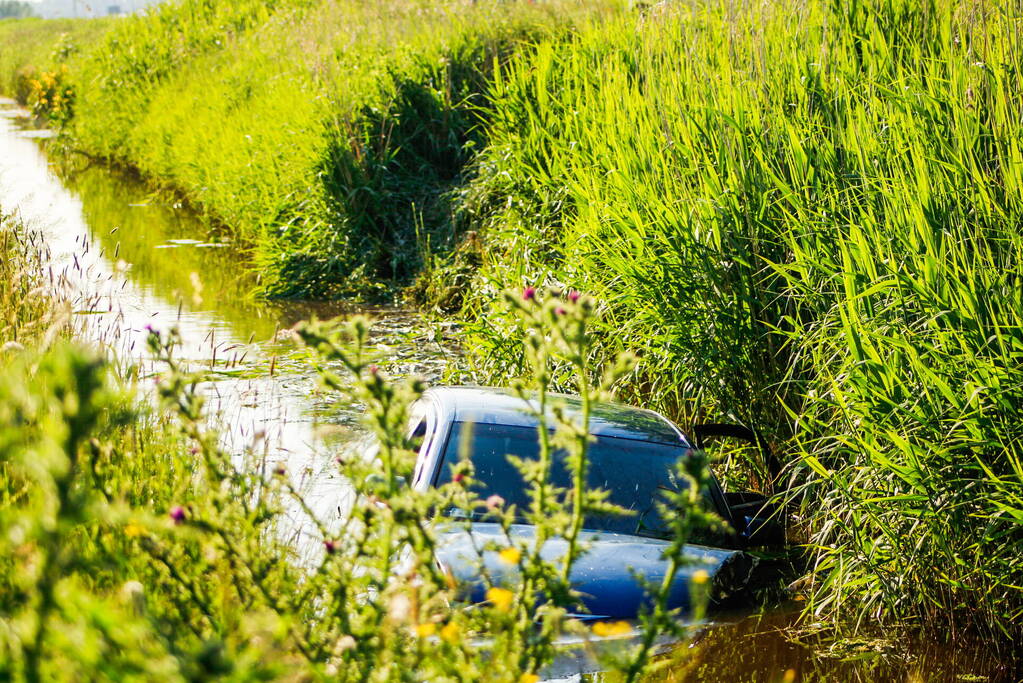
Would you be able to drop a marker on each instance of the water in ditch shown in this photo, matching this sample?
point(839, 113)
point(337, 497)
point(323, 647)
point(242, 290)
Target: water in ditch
point(129, 259)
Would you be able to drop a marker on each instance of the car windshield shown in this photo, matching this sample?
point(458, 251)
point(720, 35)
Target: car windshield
point(636, 473)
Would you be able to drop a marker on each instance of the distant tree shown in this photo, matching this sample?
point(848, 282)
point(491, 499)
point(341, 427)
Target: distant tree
point(15, 9)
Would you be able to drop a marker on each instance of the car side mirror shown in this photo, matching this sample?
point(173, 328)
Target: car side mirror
point(757, 521)
point(703, 432)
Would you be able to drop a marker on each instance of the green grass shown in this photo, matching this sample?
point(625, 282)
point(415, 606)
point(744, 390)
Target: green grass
point(807, 219)
point(802, 218)
point(324, 134)
point(31, 316)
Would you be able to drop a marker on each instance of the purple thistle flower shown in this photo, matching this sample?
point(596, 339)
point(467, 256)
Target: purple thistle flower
point(330, 546)
point(573, 296)
point(177, 513)
point(560, 310)
point(528, 294)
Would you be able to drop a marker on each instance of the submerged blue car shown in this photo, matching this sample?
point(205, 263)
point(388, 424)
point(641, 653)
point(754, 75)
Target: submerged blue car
point(633, 455)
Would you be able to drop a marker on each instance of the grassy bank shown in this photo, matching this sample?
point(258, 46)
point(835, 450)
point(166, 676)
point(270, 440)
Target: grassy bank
point(806, 219)
point(324, 133)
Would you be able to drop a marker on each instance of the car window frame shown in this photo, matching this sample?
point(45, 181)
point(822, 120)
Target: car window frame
point(420, 414)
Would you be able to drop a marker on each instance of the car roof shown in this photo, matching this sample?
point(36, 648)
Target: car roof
point(491, 405)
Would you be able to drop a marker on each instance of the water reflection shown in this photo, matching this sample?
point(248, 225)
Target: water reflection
point(171, 253)
point(128, 259)
point(773, 647)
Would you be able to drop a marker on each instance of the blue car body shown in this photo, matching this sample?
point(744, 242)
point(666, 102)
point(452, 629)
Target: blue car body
point(633, 453)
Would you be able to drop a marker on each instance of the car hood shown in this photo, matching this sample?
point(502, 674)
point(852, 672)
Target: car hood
point(606, 575)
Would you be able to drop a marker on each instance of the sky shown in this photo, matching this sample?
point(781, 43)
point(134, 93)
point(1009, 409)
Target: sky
point(85, 8)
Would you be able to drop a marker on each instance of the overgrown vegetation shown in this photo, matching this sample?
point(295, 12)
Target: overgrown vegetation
point(32, 316)
point(807, 218)
point(30, 47)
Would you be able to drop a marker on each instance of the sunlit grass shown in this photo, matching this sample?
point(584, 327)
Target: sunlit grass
point(32, 316)
point(323, 134)
point(134, 545)
point(805, 218)
point(30, 46)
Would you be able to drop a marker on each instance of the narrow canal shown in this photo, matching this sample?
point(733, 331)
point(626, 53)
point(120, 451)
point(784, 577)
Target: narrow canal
point(127, 258)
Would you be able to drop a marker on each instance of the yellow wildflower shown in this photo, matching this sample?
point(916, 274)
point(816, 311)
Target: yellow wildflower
point(528, 678)
point(510, 555)
point(604, 629)
point(701, 576)
point(450, 633)
point(426, 630)
point(501, 598)
point(133, 530)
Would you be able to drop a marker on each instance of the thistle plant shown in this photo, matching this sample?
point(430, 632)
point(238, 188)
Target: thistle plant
point(157, 544)
point(527, 608)
point(557, 338)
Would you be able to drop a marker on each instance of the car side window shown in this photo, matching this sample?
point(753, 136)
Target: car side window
point(417, 436)
point(420, 434)
point(636, 474)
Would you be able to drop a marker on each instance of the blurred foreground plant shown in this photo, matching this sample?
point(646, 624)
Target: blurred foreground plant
point(169, 557)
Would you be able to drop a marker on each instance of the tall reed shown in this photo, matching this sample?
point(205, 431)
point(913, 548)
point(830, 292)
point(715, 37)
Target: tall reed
point(804, 218)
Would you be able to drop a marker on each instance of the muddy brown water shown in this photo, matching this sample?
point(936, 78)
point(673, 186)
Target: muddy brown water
point(130, 258)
